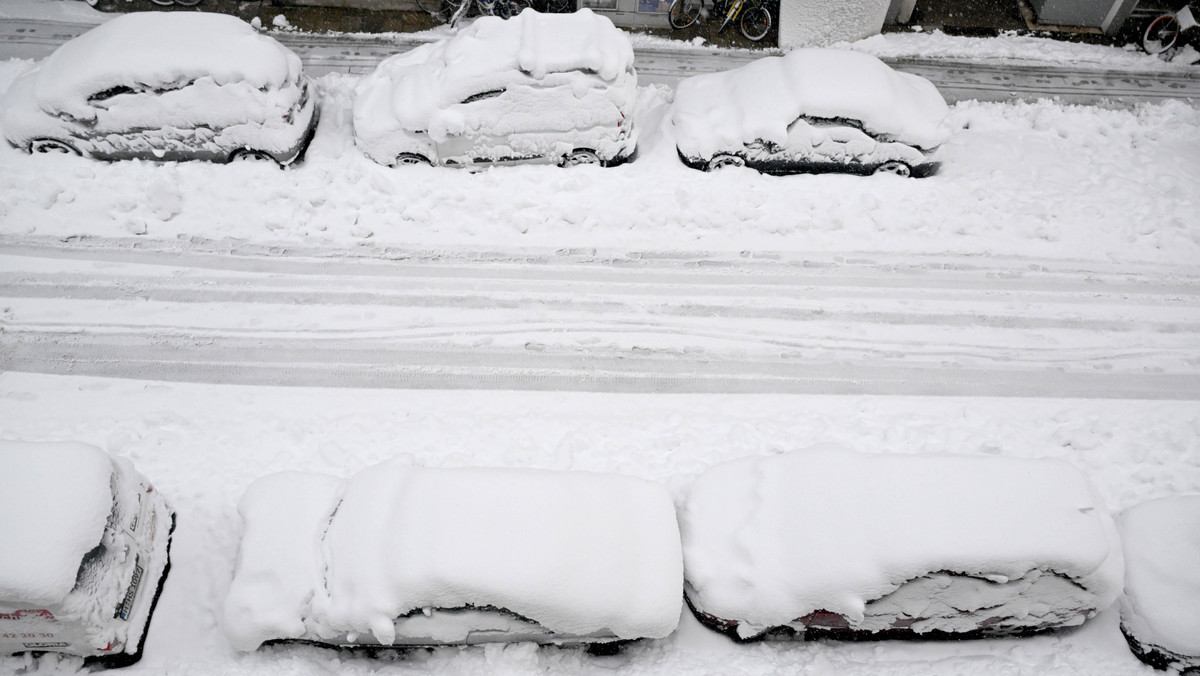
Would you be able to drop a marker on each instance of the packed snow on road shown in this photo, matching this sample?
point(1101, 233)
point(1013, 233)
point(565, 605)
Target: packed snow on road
point(339, 251)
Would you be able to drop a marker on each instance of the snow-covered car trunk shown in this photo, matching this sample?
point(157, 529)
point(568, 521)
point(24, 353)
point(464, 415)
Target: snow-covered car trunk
point(811, 110)
point(165, 86)
point(1160, 610)
point(400, 555)
point(830, 543)
point(82, 567)
point(534, 88)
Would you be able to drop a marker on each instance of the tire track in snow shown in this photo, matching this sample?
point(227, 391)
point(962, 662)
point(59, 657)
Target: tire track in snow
point(615, 322)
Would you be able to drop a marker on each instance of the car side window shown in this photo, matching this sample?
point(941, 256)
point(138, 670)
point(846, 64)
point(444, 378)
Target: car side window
point(483, 95)
point(109, 93)
point(103, 98)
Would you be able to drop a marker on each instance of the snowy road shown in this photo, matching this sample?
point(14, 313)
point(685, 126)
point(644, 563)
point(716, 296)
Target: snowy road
point(957, 79)
point(648, 322)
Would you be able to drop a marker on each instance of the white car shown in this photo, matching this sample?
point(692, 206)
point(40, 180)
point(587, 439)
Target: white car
point(811, 110)
point(828, 543)
point(1160, 609)
point(541, 88)
point(165, 86)
point(84, 552)
point(400, 555)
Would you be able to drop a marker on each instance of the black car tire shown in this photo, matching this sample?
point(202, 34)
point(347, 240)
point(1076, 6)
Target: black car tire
point(411, 159)
point(46, 146)
point(724, 161)
point(894, 167)
point(579, 157)
point(684, 13)
point(756, 22)
point(249, 155)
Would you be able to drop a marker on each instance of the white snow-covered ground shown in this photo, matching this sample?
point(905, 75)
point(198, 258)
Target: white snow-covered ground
point(202, 445)
point(1022, 185)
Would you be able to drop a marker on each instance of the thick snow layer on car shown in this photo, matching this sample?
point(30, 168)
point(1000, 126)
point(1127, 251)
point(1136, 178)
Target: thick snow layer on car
point(1161, 605)
point(579, 55)
point(55, 498)
point(578, 552)
point(773, 538)
point(160, 50)
point(757, 102)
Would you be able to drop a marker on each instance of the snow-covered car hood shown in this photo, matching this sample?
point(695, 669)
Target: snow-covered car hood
point(160, 50)
point(63, 494)
point(757, 102)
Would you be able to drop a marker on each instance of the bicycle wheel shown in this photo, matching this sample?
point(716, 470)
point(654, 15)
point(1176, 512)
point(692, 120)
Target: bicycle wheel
point(506, 9)
point(434, 7)
point(756, 21)
point(1161, 34)
point(683, 13)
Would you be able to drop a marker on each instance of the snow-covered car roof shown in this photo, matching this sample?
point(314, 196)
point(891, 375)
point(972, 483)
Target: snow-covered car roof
point(773, 538)
point(724, 111)
point(577, 552)
point(1161, 605)
point(56, 498)
point(490, 54)
point(154, 50)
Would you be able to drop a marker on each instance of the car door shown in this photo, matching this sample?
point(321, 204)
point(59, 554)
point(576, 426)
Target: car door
point(481, 138)
point(146, 122)
point(829, 144)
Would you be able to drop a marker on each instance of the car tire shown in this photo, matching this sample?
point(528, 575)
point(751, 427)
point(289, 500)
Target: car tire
point(684, 13)
point(47, 146)
point(579, 157)
point(250, 155)
point(724, 161)
point(755, 22)
point(411, 159)
point(1161, 34)
point(893, 167)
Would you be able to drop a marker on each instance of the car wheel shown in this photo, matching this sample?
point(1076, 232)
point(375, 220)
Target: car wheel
point(579, 157)
point(724, 161)
point(894, 167)
point(684, 13)
point(47, 146)
point(756, 22)
point(1160, 35)
point(248, 155)
point(410, 159)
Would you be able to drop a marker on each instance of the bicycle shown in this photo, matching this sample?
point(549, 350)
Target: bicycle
point(754, 21)
point(452, 11)
point(1164, 31)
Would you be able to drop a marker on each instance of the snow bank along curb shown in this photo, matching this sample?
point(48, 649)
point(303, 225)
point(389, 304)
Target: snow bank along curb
point(1160, 610)
point(845, 544)
point(83, 535)
point(405, 555)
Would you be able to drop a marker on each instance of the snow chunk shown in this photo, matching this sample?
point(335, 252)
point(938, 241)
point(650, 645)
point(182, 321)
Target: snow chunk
point(56, 498)
point(1162, 584)
point(579, 553)
point(768, 540)
point(160, 50)
point(724, 111)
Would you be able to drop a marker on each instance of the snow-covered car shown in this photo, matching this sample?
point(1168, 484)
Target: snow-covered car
point(537, 88)
point(400, 555)
point(84, 547)
point(811, 110)
point(1160, 610)
point(830, 543)
point(165, 86)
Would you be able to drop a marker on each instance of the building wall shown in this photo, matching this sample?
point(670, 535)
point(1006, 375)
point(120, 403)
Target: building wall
point(816, 23)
